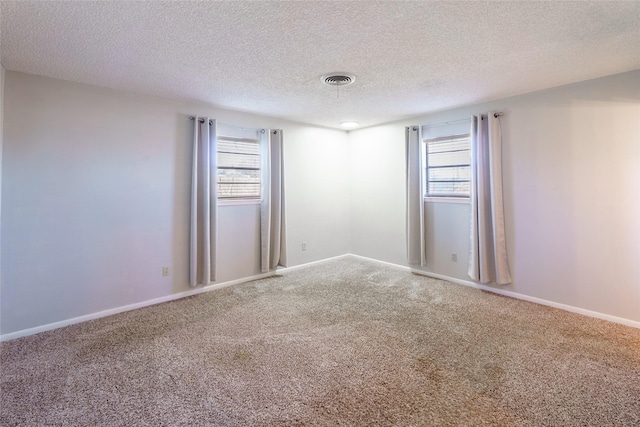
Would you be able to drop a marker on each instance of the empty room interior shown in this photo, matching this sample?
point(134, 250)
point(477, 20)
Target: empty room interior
point(319, 213)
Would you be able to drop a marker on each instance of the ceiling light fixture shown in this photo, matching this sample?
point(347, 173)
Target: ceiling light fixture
point(349, 125)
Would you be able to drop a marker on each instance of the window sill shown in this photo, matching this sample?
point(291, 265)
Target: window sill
point(238, 202)
point(457, 200)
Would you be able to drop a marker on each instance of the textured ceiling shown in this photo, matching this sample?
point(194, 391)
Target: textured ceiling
point(267, 57)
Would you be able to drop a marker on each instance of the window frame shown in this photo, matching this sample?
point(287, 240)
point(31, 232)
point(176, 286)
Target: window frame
point(448, 198)
point(239, 200)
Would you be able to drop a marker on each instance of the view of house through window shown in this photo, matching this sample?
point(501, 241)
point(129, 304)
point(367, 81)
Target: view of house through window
point(238, 168)
point(447, 163)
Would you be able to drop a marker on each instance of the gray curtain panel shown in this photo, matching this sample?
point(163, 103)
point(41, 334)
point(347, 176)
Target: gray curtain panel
point(416, 253)
point(272, 206)
point(204, 203)
point(488, 249)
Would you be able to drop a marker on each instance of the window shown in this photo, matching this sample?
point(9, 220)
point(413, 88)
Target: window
point(238, 168)
point(447, 163)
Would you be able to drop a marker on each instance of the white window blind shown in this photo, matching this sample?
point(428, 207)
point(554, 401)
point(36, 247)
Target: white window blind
point(238, 168)
point(447, 163)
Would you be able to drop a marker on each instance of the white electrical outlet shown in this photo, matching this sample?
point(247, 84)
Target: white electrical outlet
point(304, 246)
point(454, 257)
point(165, 270)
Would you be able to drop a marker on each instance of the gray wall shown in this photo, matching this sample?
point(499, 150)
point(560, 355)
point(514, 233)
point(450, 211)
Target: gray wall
point(96, 186)
point(572, 195)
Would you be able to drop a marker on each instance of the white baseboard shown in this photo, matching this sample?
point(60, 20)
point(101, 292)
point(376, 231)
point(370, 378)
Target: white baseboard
point(196, 291)
point(129, 307)
point(167, 298)
point(516, 295)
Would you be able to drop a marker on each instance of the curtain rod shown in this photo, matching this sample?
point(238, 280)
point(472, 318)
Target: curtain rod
point(242, 127)
point(233, 126)
point(200, 120)
point(448, 123)
point(498, 114)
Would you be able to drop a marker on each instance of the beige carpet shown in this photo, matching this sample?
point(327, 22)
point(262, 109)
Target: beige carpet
point(346, 342)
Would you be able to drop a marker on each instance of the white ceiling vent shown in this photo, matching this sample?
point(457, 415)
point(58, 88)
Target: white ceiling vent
point(338, 79)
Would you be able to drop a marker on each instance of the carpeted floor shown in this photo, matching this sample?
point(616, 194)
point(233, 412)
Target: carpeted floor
point(346, 342)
